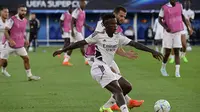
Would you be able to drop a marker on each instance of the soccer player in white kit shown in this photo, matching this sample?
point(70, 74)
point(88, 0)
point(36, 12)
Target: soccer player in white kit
point(3, 22)
point(120, 14)
point(107, 43)
point(158, 30)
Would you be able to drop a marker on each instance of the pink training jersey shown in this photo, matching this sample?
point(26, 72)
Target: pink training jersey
point(67, 22)
point(17, 31)
point(173, 17)
point(79, 15)
point(90, 51)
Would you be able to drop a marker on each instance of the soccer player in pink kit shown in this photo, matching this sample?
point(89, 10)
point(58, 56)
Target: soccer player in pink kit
point(120, 14)
point(15, 40)
point(65, 24)
point(77, 23)
point(171, 18)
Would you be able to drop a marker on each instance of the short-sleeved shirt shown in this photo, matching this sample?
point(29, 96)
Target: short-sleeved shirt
point(106, 46)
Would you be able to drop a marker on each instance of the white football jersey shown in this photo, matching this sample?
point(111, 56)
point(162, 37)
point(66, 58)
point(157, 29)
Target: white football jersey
point(189, 14)
point(106, 46)
point(2, 29)
point(157, 27)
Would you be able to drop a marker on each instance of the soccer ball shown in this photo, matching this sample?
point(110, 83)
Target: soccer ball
point(162, 106)
point(30, 49)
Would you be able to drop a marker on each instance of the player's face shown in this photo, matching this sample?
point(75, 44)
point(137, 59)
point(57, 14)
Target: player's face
point(120, 17)
point(111, 25)
point(172, 2)
point(82, 4)
point(5, 13)
point(22, 12)
point(33, 16)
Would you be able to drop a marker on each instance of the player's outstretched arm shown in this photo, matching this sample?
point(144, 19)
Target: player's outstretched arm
point(71, 47)
point(139, 46)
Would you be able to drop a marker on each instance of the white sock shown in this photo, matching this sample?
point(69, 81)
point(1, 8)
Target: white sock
point(85, 59)
point(3, 69)
point(177, 68)
point(183, 54)
point(110, 102)
point(124, 108)
point(66, 57)
point(127, 98)
point(157, 49)
point(172, 56)
point(28, 73)
point(164, 65)
point(162, 50)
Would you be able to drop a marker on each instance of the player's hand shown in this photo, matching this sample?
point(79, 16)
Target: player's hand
point(57, 52)
point(26, 43)
point(11, 42)
point(157, 55)
point(190, 31)
point(62, 32)
point(168, 30)
point(131, 54)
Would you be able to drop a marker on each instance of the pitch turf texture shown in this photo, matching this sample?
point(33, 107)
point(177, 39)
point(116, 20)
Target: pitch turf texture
point(72, 89)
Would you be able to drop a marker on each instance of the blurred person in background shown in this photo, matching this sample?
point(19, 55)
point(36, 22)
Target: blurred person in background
point(130, 32)
point(65, 25)
point(158, 31)
point(4, 14)
point(34, 24)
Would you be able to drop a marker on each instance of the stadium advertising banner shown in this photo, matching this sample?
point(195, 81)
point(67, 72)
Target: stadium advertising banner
point(93, 5)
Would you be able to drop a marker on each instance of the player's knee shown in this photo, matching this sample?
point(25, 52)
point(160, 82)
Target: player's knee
point(26, 59)
point(176, 51)
point(129, 87)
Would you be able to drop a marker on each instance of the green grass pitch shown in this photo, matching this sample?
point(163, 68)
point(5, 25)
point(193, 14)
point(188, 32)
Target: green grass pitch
point(72, 89)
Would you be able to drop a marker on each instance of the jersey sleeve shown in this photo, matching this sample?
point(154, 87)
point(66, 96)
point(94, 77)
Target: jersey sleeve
point(192, 15)
point(62, 17)
point(92, 39)
point(123, 40)
point(9, 24)
point(161, 13)
point(99, 27)
point(75, 13)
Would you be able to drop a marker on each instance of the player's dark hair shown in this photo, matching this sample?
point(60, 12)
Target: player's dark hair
point(2, 8)
point(21, 5)
point(107, 17)
point(118, 9)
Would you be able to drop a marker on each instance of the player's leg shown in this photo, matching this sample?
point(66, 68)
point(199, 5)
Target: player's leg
point(34, 42)
point(184, 46)
point(127, 87)
point(118, 95)
point(172, 57)
point(23, 54)
point(66, 56)
point(5, 52)
point(177, 44)
point(156, 45)
point(30, 41)
point(167, 45)
point(80, 37)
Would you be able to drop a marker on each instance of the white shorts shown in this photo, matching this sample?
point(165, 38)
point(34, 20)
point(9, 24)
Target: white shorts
point(7, 50)
point(159, 36)
point(78, 36)
point(66, 35)
point(172, 40)
point(103, 74)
